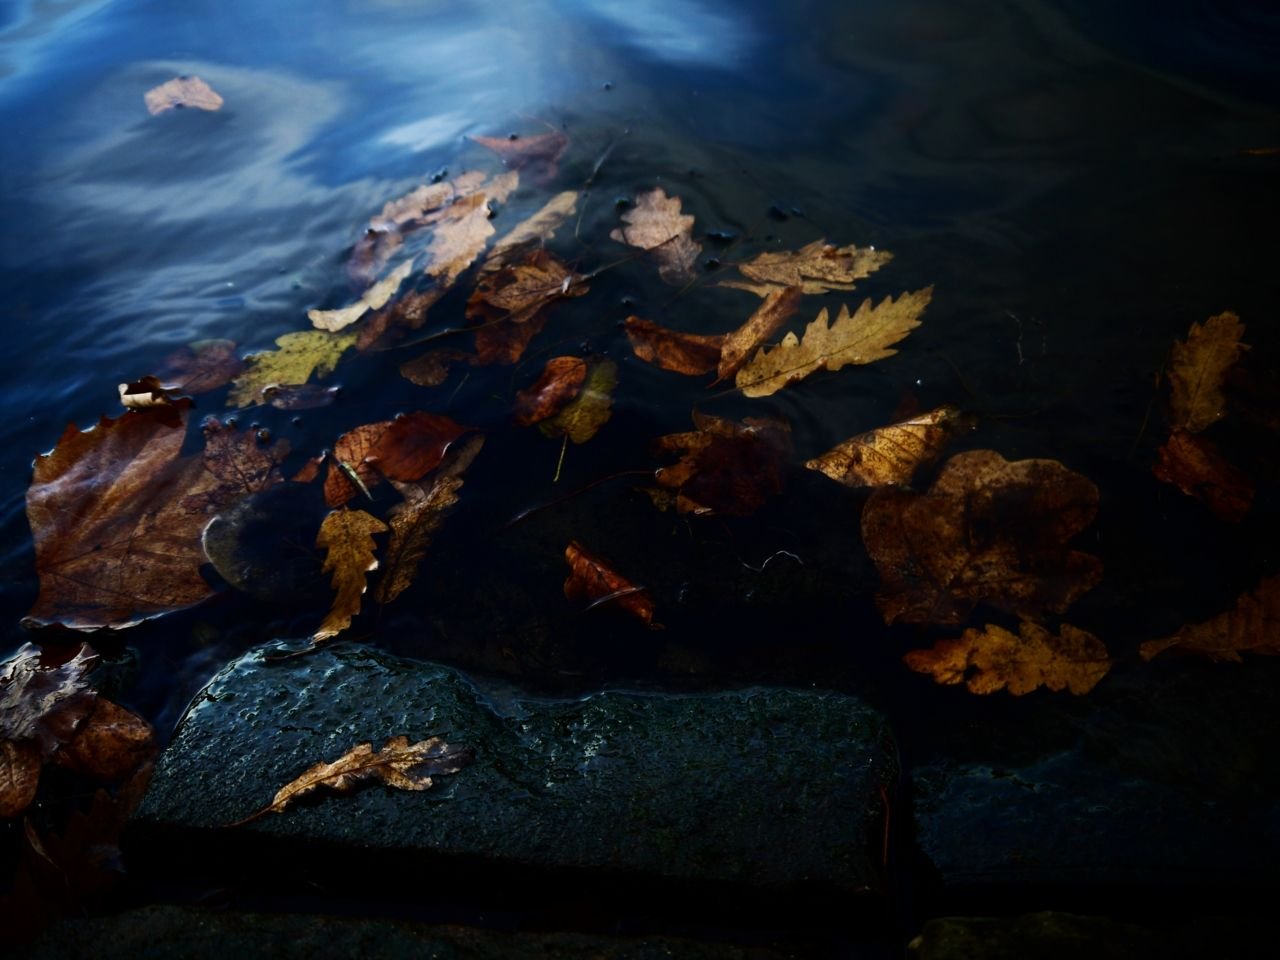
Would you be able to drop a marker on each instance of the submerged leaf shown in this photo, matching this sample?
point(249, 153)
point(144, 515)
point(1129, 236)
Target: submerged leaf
point(201, 366)
point(463, 230)
point(561, 380)
point(432, 368)
point(111, 744)
point(656, 224)
point(995, 659)
point(687, 353)
point(1199, 365)
point(1251, 626)
point(347, 535)
point(404, 449)
point(889, 455)
point(777, 309)
point(539, 228)
point(585, 414)
point(816, 268)
point(725, 468)
point(373, 299)
point(1193, 464)
point(540, 154)
point(508, 306)
point(590, 578)
point(182, 92)
point(300, 355)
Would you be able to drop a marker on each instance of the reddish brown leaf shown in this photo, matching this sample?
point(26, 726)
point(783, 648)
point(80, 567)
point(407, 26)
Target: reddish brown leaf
point(405, 449)
point(19, 776)
point(201, 366)
point(508, 306)
point(111, 744)
point(656, 224)
point(725, 467)
point(539, 155)
point(590, 578)
point(687, 353)
point(1193, 464)
point(777, 309)
point(384, 327)
point(561, 381)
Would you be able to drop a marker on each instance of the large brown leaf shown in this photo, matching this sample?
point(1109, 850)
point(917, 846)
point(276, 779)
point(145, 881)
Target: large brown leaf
point(592, 579)
point(1251, 626)
point(508, 307)
point(725, 468)
point(688, 353)
point(1198, 366)
point(816, 268)
point(888, 456)
point(404, 449)
point(116, 514)
point(656, 224)
point(988, 531)
point(347, 535)
point(777, 309)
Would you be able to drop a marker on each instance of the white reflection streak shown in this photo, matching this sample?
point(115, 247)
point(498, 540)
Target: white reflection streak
point(679, 31)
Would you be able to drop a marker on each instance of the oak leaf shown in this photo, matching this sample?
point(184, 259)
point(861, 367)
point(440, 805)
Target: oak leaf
point(1199, 365)
point(540, 155)
point(463, 229)
point(688, 353)
point(347, 535)
point(300, 356)
point(1252, 625)
point(866, 336)
point(561, 380)
point(182, 92)
point(815, 268)
point(201, 366)
point(583, 416)
point(374, 298)
point(777, 309)
point(656, 224)
point(725, 468)
point(404, 449)
point(508, 307)
point(1193, 464)
point(591, 579)
point(888, 456)
point(988, 531)
point(997, 659)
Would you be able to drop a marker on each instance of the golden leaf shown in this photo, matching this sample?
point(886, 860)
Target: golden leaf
point(540, 227)
point(583, 416)
point(374, 298)
point(865, 337)
point(688, 353)
point(1251, 626)
point(300, 355)
point(347, 535)
point(656, 224)
point(888, 455)
point(996, 659)
point(777, 309)
point(1198, 365)
point(182, 92)
point(816, 268)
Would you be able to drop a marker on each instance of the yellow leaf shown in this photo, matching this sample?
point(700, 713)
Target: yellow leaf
point(1199, 364)
point(582, 417)
point(816, 268)
point(375, 298)
point(777, 309)
point(300, 355)
point(1252, 625)
point(348, 536)
point(887, 455)
point(864, 337)
point(996, 659)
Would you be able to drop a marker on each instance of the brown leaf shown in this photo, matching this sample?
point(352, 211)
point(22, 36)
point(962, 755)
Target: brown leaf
point(201, 366)
point(656, 224)
point(777, 309)
point(19, 776)
point(371, 253)
point(584, 415)
point(1198, 366)
point(405, 449)
point(463, 230)
point(590, 578)
point(865, 337)
point(1194, 465)
point(116, 514)
point(687, 353)
point(110, 745)
point(1251, 626)
point(539, 228)
point(182, 92)
point(888, 456)
point(540, 155)
point(816, 268)
point(996, 659)
point(374, 298)
point(725, 468)
point(561, 380)
point(384, 327)
point(988, 531)
point(347, 535)
point(426, 204)
point(508, 307)
point(432, 368)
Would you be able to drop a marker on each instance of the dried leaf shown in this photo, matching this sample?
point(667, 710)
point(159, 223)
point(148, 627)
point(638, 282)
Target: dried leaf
point(687, 353)
point(432, 368)
point(583, 417)
point(656, 224)
point(865, 337)
point(463, 229)
point(44, 701)
point(145, 394)
point(508, 306)
point(300, 356)
point(988, 531)
point(540, 155)
point(777, 309)
point(816, 268)
point(539, 228)
point(561, 380)
point(725, 468)
point(19, 776)
point(381, 329)
point(889, 455)
point(1251, 626)
point(110, 745)
point(996, 659)
point(1194, 465)
point(590, 578)
point(426, 204)
point(405, 449)
point(182, 92)
point(347, 535)
point(374, 298)
point(1198, 366)
point(201, 366)
point(302, 396)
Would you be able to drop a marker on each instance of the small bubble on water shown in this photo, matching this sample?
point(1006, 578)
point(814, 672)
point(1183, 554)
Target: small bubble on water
point(264, 435)
point(607, 85)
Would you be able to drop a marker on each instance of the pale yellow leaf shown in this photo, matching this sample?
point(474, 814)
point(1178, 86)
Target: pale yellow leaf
point(375, 298)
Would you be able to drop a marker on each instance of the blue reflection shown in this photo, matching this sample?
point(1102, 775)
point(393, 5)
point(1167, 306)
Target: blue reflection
point(680, 31)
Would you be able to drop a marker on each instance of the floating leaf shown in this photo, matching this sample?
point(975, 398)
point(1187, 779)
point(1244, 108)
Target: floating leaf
point(816, 268)
point(539, 155)
point(656, 224)
point(300, 356)
point(687, 353)
point(432, 368)
point(888, 455)
point(590, 578)
point(996, 659)
point(201, 366)
point(182, 92)
point(1194, 465)
point(1251, 626)
point(539, 228)
point(384, 327)
point(1198, 366)
point(373, 299)
point(463, 230)
point(725, 468)
point(404, 449)
point(865, 337)
point(508, 307)
point(777, 309)
point(988, 531)
point(583, 416)
point(145, 394)
point(347, 535)
point(561, 380)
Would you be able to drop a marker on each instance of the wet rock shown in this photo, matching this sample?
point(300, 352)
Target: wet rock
point(761, 787)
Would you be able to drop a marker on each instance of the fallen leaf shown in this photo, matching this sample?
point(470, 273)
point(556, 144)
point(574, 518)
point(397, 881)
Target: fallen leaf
point(688, 353)
point(582, 418)
point(988, 531)
point(540, 155)
point(590, 578)
point(426, 204)
point(432, 368)
point(463, 229)
point(182, 92)
point(561, 380)
point(539, 228)
point(384, 327)
point(404, 449)
point(415, 521)
point(1198, 367)
point(44, 700)
point(300, 396)
point(996, 659)
point(20, 766)
point(656, 224)
point(1251, 626)
point(399, 764)
point(373, 299)
point(1193, 464)
point(201, 366)
point(866, 336)
point(725, 468)
point(147, 393)
point(300, 355)
point(116, 514)
point(777, 309)
point(347, 535)
point(816, 268)
point(889, 455)
point(371, 253)
point(508, 306)
point(110, 745)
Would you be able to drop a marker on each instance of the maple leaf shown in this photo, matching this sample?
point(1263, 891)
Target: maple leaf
point(888, 455)
point(540, 155)
point(404, 449)
point(201, 366)
point(816, 268)
point(777, 309)
point(182, 92)
point(347, 535)
point(1199, 365)
point(583, 416)
point(116, 515)
point(508, 306)
point(415, 521)
point(372, 299)
point(687, 353)
point(399, 764)
point(656, 224)
point(996, 659)
point(866, 336)
point(1193, 464)
point(561, 380)
point(1252, 625)
point(988, 531)
point(538, 228)
point(300, 355)
point(590, 578)
point(725, 468)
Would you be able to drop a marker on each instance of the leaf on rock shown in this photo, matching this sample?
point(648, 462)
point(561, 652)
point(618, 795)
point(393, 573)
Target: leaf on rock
point(201, 366)
point(539, 228)
point(816, 268)
point(508, 306)
point(687, 353)
point(539, 155)
point(404, 449)
point(374, 298)
point(561, 380)
point(988, 531)
point(182, 92)
point(656, 224)
point(399, 764)
point(1199, 365)
point(777, 309)
point(888, 456)
point(725, 468)
point(1193, 464)
point(996, 659)
point(591, 579)
point(1251, 626)
point(582, 418)
point(432, 368)
point(866, 336)
point(347, 535)
point(300, 355)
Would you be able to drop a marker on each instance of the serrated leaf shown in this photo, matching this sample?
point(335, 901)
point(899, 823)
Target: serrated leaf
point(347, 535)
point(995, 659)
point(816, 268)
point(656, 224)
point(1252, 625)
point(1198, 366)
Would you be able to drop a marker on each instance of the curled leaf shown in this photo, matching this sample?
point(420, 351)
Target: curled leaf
point(1198, 366)
point(347, 535)
point(725, 468)
point(300, 356)
point(816, 268)
point(561, 380)
point(182, 92)
point(404, 449)
point(1251, 626)
point(777, 309)
point(583, 416)
point(656, 224)
point(889, 455)
point(687, 353)
point(146, 393)
point(590, 578)
point(996, 659)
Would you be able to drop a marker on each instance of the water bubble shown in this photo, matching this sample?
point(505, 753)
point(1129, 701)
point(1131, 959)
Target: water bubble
point(607, 85)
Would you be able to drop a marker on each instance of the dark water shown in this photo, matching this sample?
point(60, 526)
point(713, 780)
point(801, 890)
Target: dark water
point(1073, 179)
